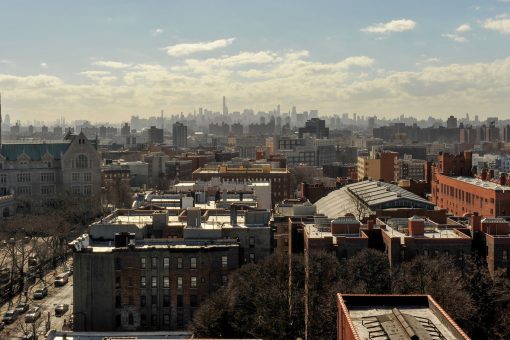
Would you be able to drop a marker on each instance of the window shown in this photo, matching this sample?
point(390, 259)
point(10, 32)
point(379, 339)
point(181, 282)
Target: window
point(130, 300)
point(252, 257)
point(179, 301)
point(143, 300)
point(224, 279)
point(87, 189)
point(47, 189)
point(143, 320)
point(75, 176)
point(193, 301)
point(130, 318)
point(24, 190)
point(76, 189)
point(252, 242)
point(117, 320)
point(224, 262)
point(193, 263)
point(3, 178)
point(118, 303)
point(193, 282)
point(143, 262)
point(505, 255)
point(166, 300)
point(166, 262)
point(154, 262)
point(154, 320)
point(179, 282)
point(87, 177)
point(154, 282)
point(425, 252)
point(48, 177)
point(154, 300)
point(179, 263)
point(143, 283)
point(23, 178)
point(166, 319)
point(82, 162)
point(166, 282)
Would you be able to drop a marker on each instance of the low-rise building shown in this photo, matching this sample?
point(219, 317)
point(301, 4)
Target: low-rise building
point(362, 316)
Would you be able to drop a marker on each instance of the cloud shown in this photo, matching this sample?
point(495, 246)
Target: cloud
point(498, 24)
point(44, 65)
point(352, 84)
point(190, 48)
point(401, 25)
point(463, 28)
point(454, 37)
point(112, 64)
point(427, 61)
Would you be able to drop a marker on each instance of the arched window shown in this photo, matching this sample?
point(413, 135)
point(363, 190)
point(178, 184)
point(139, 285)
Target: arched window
point(82, 162)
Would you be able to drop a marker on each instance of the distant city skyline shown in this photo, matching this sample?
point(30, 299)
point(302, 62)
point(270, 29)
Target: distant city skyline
point(107, 61)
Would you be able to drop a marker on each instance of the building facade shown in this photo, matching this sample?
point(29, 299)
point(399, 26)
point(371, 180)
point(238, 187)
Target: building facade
point(40, 172)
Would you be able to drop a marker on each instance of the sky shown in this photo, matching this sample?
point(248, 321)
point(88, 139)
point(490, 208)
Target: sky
point(107, 60)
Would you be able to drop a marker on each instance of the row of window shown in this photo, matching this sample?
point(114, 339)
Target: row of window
point(166, 282)
point(166, 262)
point(87, 177)
point(27, 177)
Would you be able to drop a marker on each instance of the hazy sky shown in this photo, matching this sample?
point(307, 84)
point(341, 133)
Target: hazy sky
point(107, 60)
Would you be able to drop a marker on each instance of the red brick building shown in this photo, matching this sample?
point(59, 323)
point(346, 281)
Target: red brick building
point(454, 189)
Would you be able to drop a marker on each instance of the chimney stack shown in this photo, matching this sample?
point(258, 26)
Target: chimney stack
point(416, 226)
point(476, 222)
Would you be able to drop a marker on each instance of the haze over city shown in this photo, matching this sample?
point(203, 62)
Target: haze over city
point(121, 58)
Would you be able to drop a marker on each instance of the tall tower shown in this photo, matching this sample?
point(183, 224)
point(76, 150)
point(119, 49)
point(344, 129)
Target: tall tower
point(225, 108)
point(0, 119)
point(162, 121)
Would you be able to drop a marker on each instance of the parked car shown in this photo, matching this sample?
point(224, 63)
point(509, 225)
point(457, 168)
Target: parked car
point(10, 316)
point(33, 314)
point(41, 293)
point(22, 308)
point(61, 280)
point(61, 309)
point(29, 336)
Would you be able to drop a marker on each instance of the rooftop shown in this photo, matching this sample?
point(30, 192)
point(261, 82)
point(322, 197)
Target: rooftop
point(368, 196)
point(482, 184)
point(397, 227)
point(398, 317)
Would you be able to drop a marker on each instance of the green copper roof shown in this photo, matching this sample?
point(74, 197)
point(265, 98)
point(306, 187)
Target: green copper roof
point(34, 150)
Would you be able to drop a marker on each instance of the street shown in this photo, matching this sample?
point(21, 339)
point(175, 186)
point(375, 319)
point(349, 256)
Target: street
point(56, 295)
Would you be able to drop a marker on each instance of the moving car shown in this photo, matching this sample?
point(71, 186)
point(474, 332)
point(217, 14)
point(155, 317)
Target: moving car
point(61, 309)
point(10, 316)
point(61, 280)
point(22, 308)
point(41, 293)
point(33, 314)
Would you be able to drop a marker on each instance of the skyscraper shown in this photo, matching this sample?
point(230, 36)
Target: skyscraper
point(225, 108)
point(180, 135)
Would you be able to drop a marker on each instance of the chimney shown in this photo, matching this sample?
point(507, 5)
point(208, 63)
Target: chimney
point(370, 224)
point(502, 178)
point(415, 226)
point(194, 217)
point(476, 222)
point(233, 215)
point(484, 175)
point(491, 174)
point(241, 196)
